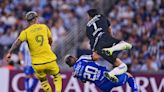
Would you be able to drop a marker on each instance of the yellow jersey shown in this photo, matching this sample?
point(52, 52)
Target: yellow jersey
point(37, 36)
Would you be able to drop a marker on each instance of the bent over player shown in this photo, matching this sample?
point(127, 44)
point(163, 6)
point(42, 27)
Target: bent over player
point(38, 37)
point(101, 42)
point(85, 69)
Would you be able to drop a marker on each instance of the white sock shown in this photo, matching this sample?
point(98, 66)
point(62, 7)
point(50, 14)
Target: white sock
point(119, 70)
point(121, 46)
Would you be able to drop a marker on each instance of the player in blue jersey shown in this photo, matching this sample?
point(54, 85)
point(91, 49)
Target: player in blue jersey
point(85, 69)
point(25, 60)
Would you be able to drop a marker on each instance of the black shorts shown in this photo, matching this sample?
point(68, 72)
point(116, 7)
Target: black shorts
point(107, 41)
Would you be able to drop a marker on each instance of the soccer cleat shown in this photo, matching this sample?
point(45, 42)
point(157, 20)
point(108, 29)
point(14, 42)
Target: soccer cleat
point(128, 46)
point(108, 51)
point(111, 77)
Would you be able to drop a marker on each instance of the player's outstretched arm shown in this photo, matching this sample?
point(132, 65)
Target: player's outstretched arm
point(13, 47)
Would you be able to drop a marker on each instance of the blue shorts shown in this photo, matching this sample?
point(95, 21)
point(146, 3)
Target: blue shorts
point(28, 70)
point(106, 85)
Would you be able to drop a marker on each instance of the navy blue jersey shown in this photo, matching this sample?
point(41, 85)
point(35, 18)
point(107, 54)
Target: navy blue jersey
point(98, 33)
point(87, 70)
point(96, 27)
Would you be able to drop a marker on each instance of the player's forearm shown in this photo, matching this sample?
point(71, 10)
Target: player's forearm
point(15, 45)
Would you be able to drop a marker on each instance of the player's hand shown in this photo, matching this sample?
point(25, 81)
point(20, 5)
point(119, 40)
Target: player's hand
point(8, 56)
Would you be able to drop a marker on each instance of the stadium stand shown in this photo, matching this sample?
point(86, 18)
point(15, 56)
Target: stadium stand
point(140, 22)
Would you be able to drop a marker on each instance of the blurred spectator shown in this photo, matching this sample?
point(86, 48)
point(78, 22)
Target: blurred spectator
point(58, 30)
point(125, 58)
point(82, 8)
point(135, 66)
point(8, 38)
point(84, 47)
point(140, 22)
point(160, 57)
point(150, 65)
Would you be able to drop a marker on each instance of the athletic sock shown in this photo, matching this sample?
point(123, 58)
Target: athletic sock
point(58, 82)
point(132, 84)
point(119, 70)
point(27, 85)
point(46, 87)
point(34, 83)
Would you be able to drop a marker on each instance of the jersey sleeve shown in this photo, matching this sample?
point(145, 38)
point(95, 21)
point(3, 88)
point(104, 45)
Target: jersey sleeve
point(23, 36)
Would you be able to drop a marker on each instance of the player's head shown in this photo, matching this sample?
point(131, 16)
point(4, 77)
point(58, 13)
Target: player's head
point(92, 13)
point(70, 60)
point(31, 16)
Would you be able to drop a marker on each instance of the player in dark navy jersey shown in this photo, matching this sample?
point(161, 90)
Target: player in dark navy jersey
point(99, 33)
point(85, 69)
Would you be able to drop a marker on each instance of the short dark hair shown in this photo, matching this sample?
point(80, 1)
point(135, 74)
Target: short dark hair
point(70, 60)
point(92, 12)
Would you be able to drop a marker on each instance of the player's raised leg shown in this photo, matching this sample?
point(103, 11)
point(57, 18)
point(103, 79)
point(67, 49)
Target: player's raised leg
point(120, 46)
point(120, 69)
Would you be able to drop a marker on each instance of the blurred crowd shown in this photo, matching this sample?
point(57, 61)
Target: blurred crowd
point(60, 15)
point(140, 22)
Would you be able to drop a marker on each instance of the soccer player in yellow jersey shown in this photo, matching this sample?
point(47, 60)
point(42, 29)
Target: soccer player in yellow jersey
point(38, 37)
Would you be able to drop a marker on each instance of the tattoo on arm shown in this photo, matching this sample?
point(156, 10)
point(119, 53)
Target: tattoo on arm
point(15, 45)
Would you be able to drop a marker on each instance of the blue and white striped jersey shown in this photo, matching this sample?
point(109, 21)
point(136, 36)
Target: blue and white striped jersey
point(24, 49)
